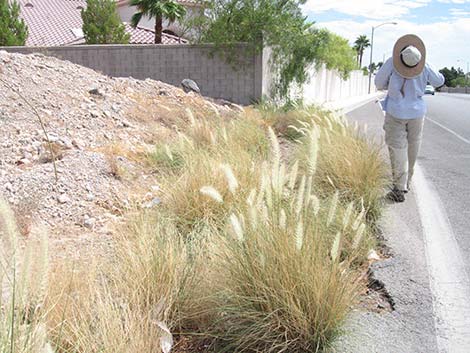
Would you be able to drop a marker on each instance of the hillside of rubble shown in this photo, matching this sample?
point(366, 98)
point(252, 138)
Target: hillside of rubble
point(95, 127)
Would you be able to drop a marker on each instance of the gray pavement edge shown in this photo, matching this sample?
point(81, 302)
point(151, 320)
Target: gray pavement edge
point(410, 327)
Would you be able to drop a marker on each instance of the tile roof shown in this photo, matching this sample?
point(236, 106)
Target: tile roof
point(142, 35)
point(182, 2)
point(50, 22)
point(58, 22)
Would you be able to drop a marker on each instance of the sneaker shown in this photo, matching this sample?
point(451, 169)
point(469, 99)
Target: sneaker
point(396, 195)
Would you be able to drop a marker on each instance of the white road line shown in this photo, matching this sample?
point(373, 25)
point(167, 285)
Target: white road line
point(449, 130)
point(449, 279)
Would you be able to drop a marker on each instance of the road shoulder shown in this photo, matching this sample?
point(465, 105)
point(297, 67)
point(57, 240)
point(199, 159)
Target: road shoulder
point(410, 326)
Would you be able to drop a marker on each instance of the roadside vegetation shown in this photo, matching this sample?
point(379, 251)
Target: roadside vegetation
point(455, 77)
point(295, 43)
point(259, 244)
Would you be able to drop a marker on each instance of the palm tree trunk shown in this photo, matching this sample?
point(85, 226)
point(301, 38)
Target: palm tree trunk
point(360, 58)
point(158, 30)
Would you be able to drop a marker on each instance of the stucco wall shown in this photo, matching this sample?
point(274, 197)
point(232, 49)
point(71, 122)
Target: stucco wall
point(328, 86)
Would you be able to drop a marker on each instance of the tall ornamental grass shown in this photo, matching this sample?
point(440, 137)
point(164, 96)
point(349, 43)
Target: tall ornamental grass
point(258, 244)
point(285, 261)
point(24, 282)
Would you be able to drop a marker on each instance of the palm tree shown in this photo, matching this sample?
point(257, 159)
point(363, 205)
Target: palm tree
point(360, 44)
point(157, 9)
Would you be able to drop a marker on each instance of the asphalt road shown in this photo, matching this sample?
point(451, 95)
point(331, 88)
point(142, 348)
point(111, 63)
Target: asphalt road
point(429, 238)
point(445, 160)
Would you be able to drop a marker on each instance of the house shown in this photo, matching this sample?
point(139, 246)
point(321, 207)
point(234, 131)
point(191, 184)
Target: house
point(58, 23)
point(194, 8)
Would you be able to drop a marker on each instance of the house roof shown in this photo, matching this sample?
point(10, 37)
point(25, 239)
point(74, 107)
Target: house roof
point(58, 22)
point(142, 35)
point(197, 3)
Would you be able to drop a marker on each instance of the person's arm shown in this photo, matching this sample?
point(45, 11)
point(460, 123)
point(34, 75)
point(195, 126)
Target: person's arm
point(383, 75)
point(435, 78)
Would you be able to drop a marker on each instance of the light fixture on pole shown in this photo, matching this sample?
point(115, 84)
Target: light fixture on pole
point(372, 48)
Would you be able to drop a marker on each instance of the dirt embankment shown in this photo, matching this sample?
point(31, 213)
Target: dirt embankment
point(99, 128)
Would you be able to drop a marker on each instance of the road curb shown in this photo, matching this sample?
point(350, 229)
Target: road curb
point(410, 326)
point(345, 106)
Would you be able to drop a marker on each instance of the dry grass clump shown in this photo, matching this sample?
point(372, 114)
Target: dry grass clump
point(24, 281)
point(24, 212)
point(210, 152)
point(285, 260)
point(347, 161)
point(253, 253)
point(131, 303)
point(289, 120)
point(51, 152)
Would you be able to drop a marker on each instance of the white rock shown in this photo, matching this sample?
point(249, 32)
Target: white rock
point(373, 256)
point(25, 161)
point(89, 222)
point(63, 199)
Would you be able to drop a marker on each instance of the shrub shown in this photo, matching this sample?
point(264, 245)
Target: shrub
point(13, 29)
point(102, 24)
point(280, 25)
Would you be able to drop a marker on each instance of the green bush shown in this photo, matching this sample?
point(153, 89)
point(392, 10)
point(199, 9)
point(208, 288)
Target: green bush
point(280, 25)
point(13, 29)
point(102, 24)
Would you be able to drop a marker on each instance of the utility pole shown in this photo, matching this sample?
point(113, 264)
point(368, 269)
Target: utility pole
point(466, 77)
point(372, 49)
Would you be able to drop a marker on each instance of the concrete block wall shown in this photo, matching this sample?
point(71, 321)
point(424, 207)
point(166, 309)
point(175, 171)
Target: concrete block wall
point(240, 83)
point(247, 81)
point(455, 89)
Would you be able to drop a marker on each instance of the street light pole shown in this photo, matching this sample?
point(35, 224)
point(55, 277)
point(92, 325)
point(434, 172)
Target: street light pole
point(371, 51)
point(372, 48)
point(467, 73)
point(466, 78)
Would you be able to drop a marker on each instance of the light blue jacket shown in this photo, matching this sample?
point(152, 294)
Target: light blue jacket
point(409, 105)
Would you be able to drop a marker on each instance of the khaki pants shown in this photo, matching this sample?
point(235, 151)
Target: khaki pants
point(403, 138)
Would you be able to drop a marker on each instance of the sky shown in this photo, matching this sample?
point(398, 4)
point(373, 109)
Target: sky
point(444, 25)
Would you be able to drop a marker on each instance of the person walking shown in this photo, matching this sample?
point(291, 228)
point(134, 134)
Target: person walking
point(405, 76)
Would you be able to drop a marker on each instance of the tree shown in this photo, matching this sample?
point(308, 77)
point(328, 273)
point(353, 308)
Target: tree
point(158, 9)
point(102, 24)
point(460, 81)
point(360, 45)
point(13, 30)
point(280, 25)
point(452, 76)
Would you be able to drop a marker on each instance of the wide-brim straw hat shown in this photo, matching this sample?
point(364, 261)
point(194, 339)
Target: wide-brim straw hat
point(402, 43)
